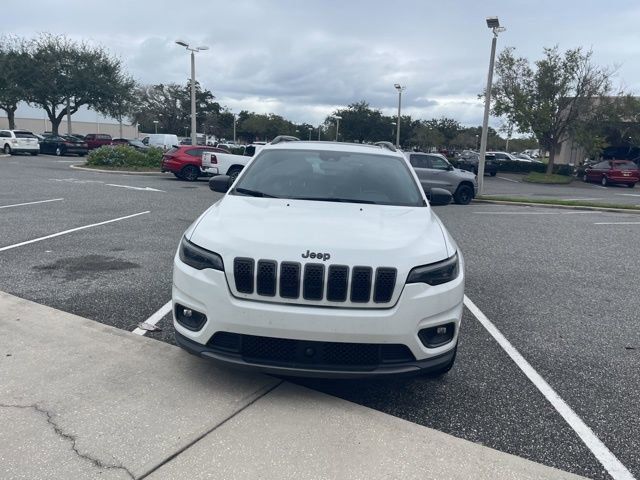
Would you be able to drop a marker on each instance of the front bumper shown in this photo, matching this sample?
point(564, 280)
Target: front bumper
point(419, 306)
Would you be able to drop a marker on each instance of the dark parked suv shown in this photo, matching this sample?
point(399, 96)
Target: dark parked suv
point(469, 162)
point(97, 140)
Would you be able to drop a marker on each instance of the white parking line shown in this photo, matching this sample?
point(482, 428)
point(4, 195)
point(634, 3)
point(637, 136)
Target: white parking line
point(145, 189)
point(31, 203)
point(155, 318)
point(508, 179)
point(608, 460)
point(617, 223)
point(599, 186)
point(629, 194)
point(530, 213)
point(9, 247)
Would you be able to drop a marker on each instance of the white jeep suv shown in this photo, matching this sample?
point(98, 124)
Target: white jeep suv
point(322, 259)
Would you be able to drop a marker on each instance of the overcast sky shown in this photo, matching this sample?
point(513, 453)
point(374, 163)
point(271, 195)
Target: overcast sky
point(303, 59)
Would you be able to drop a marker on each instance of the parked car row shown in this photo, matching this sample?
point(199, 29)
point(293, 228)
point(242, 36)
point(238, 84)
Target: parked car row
point(608, 172)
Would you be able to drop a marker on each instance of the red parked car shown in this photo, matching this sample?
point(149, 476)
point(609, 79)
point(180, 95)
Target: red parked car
point(97, 140)
point(612, 172)
point(185, 161)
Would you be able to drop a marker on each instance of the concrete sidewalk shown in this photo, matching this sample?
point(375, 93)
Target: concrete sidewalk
point(79, 399)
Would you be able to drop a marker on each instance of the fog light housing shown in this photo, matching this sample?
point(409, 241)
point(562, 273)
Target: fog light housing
point(433, 337)
point(189, 318)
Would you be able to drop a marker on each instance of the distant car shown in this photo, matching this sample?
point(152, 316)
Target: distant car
point(435, 171)
point(97, 140)
point(19, 141)
point(470, 163)
point(185, 161)
point(137, 144)
point(610, 172)
point(165, 141)
point(63, 145)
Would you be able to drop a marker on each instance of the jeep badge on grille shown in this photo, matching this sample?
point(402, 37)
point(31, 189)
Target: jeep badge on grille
point(320, 256)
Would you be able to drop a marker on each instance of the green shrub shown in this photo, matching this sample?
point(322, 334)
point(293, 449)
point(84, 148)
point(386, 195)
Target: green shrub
point(125, 156)
point(525, 167)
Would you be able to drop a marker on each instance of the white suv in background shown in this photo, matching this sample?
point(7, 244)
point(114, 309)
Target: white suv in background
point(322, 259)
point(19, 141)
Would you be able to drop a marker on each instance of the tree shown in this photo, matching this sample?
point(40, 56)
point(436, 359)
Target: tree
point(427, 136)
point(550, 99)
point(360, 123)
point(13, 57)
point(64, 76)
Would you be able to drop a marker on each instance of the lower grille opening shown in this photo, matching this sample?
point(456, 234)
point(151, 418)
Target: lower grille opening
point(310, 354)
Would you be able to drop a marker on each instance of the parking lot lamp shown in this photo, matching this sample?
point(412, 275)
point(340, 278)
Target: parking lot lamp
point(155, 122)
point(400, 89)
point(494, 24)
point(337, 119)
point(193, 50)
point(310, 130)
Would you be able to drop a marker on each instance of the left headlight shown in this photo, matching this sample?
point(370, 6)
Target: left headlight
point(436, 273)
point(198, 257)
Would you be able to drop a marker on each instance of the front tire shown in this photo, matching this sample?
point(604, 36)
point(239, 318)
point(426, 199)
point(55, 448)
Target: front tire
point(631, 185)
point(34, 154)
point(463, 195)
point(605, 181)
point(493, 174)
point(7, 149)
point(190, 173)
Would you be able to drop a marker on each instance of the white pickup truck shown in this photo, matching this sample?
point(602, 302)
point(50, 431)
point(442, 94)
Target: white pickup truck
point(214, 163)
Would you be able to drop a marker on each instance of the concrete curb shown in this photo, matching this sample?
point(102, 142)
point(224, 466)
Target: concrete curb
point(567, 207)
point(120, 172)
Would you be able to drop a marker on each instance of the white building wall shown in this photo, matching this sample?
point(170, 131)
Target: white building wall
point(36, 125)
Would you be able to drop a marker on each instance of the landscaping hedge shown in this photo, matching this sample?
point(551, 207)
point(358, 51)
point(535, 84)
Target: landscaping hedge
point(125, 156)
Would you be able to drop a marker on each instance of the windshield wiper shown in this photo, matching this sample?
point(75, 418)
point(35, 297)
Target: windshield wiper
point(253, 193)
point(335, 199)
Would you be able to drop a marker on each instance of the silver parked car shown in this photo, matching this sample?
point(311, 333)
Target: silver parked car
point(434, 170)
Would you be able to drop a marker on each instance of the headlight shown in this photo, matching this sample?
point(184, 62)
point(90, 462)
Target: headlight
point(435, 273)
point(199, 258)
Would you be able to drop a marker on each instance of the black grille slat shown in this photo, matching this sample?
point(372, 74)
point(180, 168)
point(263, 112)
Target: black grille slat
point(385, 284)
point(337, 281)
point(289, 280)
point(361, 284)
point(243, 274)
point(266, 278)
point(313, 283)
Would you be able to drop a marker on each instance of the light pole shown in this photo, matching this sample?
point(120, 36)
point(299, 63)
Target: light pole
point(337, 119)
point(494, 25)
point(234, 128)
point(182, 43)
point(394, 124)
point(310, 130)
point(400, 89)
point(155, 122)
point(319, 130)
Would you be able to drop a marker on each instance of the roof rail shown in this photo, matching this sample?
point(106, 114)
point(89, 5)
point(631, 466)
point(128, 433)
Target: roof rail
point(387, 145)
point(284, 138)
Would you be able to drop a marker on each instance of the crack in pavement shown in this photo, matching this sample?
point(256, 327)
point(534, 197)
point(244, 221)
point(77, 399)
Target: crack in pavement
point(67, 436)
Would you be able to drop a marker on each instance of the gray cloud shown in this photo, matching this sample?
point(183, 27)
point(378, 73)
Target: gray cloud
point(302, 60)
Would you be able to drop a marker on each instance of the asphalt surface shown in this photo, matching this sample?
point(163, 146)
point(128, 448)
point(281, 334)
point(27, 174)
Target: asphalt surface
point(509, 184)
point(562, 289)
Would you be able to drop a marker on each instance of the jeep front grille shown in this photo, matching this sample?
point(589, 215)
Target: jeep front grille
point(313, 281)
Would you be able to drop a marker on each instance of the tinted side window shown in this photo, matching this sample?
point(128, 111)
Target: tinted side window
point(5, 134)
point(602, 166)
point(195, 152)
point(418, 161)
point(438, 163)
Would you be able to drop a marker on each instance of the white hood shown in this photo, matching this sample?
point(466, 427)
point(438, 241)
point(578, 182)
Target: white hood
point(352, 234)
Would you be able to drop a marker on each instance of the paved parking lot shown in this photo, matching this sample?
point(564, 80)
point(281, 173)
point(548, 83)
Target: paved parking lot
point(509, 184)
point(561, 286)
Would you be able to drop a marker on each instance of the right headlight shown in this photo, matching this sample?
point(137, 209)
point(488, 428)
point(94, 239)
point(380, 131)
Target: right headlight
point(436, 273)
point(198, 257)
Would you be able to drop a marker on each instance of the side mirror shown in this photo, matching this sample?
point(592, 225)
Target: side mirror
point(439, 196)
point(220, 183)
point(450, 167)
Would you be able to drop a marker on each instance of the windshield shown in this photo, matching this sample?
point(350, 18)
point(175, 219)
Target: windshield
point(331, 176)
